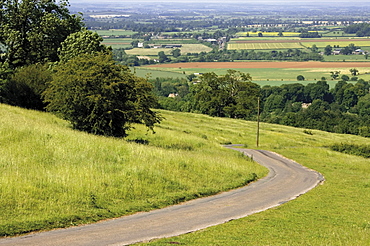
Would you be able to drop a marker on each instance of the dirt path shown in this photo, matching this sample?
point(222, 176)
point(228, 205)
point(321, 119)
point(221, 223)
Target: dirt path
point(286, 181)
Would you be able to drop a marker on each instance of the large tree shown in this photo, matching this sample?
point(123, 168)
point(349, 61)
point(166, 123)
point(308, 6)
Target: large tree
point(99, 96)
point(32, 30)
point(232, 95)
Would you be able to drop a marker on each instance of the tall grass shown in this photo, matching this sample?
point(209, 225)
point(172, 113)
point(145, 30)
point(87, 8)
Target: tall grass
point(52, 176)
point(335, 213)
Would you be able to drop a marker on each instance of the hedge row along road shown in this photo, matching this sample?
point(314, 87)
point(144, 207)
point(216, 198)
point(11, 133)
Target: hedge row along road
point(285, 181)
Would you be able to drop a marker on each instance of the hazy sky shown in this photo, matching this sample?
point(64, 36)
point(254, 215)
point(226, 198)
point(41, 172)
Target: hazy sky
point(223, 1)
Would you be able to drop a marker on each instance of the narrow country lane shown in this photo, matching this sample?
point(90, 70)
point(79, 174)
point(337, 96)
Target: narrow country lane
point(285, 181)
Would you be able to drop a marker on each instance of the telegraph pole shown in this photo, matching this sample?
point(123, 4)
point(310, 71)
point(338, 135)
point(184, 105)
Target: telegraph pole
point(258, 121)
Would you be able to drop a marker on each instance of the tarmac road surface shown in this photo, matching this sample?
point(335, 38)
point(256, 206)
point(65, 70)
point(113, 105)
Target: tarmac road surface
point(285, 181)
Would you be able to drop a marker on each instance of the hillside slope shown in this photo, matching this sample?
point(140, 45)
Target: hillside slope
point(52, 176)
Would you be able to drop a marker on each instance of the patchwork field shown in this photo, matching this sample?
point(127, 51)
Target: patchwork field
point(263, 46)
point(186, 48)
point(279, 43)
point(270, 73)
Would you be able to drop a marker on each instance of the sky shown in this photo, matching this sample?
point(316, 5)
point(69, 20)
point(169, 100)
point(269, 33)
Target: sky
point(223, 1)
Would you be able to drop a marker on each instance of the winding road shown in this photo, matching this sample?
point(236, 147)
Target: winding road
point(285, 181)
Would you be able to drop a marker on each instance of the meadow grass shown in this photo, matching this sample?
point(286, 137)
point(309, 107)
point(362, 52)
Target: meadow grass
point(334, 213)
point(52, 176)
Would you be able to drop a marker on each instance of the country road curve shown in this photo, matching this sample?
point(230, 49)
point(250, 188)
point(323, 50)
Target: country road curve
point(285, 181)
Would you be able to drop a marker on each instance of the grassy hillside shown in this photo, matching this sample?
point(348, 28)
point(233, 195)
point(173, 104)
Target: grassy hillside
point(52, 176)
point(335, 213)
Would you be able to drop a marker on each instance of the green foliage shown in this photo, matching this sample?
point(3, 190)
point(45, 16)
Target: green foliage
point(344, 77)
point(328, 50)
point(309, 35)
point(353, 71)
point(176, 52)
point(100, 97)
point(300, 78)
point(163, 57)
point(231, 95)
point(83, 42)
point(334, 74)
point(32, 31)
point(25, 87)
point(361, 29)
point(349, 49)
point(352, 149)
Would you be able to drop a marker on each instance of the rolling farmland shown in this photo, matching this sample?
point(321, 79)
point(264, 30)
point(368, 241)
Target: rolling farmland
point(276, 43)
point(264, 46)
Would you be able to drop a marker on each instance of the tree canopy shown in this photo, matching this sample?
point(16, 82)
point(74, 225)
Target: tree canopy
point(83, 42)
point(99, 96)
point(31, 30)
point(231, 95)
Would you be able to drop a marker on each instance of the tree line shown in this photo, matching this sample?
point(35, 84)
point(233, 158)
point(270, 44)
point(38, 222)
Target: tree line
point(342, 109)
point(222, 55)
point(360, 29)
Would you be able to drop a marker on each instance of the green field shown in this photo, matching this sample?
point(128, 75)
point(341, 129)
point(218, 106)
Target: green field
point(118, 42)
point(263, 46)
point(186, 48)
point(274, 76)
point(114, 32)
point(147, 52)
